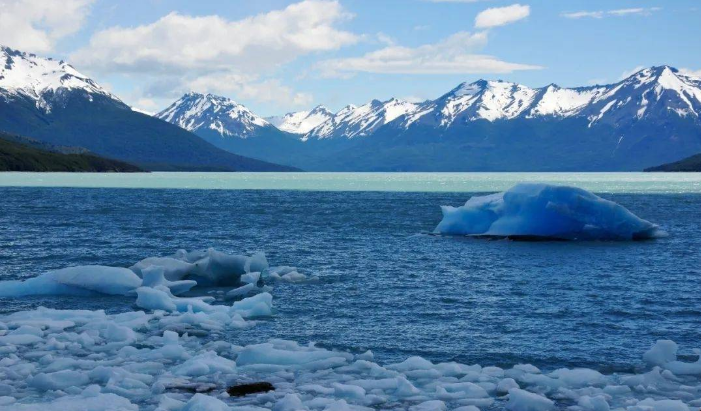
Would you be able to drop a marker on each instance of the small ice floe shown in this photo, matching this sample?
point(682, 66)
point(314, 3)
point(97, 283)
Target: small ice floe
point(545, 212)
point(174, 275)
point(83, 280)
point(171, 356)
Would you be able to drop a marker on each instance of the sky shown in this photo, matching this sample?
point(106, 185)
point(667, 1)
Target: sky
point(278, 56)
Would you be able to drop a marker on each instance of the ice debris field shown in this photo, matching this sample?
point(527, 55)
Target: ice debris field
point(168, 356)
point(542, 211)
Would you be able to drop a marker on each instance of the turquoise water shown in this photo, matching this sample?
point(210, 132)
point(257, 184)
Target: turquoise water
point(667, 183)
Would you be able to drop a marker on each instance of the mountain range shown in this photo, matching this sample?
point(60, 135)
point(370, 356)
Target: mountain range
point(646, 119)
point(51, 101)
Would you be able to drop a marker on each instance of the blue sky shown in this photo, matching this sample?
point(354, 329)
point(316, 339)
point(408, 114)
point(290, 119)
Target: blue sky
point(276, 56)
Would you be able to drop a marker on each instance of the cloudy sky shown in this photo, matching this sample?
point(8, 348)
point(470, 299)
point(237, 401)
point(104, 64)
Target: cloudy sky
point(276, 56)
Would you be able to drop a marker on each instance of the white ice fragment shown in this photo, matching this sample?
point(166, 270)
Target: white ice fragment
point(154, 299)
point(578, 377)
point(650, 404)
point(521, 400)
point(505, 385)
point(290, 402)
point(201, 402)
point(206, 363)
point(257, 306)
point(347, 391)
point(293, 277)
point(595, 403)
point(433, 405)
point(661, 353)
point(58, 380)
point(155, 275)
point(81, 280)
point(173, 269)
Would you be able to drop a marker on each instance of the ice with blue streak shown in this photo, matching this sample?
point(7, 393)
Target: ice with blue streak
point(546, 212)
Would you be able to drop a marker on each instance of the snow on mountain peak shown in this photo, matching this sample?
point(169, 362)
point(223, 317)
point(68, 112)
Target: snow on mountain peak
point(301, 122)
point(651, 91)
point(41, 79)
point(195, 111)
point(352, 121)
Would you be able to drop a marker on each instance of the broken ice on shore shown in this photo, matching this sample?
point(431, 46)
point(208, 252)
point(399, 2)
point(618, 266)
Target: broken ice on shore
point(168, 356)
point(542, 211)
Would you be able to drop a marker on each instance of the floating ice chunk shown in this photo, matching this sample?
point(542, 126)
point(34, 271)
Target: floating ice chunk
point(650, 404)
point(286, 355)
point(433, 405)
point(154, 299)
point(6, 400)
point(81, 280)
point(19, 339)
point(342, 405)
point(206, 363)
point(207, 268)
point(100, 402)
point(217, 268)
point(664, 354)
point(578, 377)
point(545, 211)
point(596, 403)
point(173, 269)
point(661, 353)
point(348, 391)
point(201, 402)
point(260, 305)
point(160, 298)
point(154, 276)
point(521, 400)
point(685, 368)
point(58, 380)
point(291, 402)
point(505, 385)
point(251, 278)
point(293, 277)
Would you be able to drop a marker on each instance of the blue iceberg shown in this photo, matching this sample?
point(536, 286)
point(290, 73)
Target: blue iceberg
point(542, 211)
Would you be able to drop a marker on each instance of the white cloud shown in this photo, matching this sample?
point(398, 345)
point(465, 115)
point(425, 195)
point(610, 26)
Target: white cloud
point(181, 43)
point(629, 73)
point(690, 72)
point(36, 25)
point(251, 88)
point(180, 53)
point(500, 16)
point(599, 14)
point(453, 55)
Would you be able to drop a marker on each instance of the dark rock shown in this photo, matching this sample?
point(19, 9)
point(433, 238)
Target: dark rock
point(252, 388)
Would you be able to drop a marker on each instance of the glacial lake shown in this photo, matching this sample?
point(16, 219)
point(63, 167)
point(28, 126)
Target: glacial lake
point(384, 283)
point(396, 182)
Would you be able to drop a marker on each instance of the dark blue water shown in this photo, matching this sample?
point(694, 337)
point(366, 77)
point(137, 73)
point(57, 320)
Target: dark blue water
point(384, 284)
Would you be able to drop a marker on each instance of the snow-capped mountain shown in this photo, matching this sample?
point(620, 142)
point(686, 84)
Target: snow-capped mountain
point(195, 112)
point(52, 102)
point(301, 122)
point(649, 118)
point(659, 90)
point(352, 121)
point(44, 81)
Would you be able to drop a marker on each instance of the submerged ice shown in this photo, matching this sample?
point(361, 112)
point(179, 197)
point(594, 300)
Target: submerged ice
point(545, 211)
point(168, 356)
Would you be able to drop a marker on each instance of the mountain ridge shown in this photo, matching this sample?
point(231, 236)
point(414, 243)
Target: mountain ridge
point(648, 118)
point(51, 101)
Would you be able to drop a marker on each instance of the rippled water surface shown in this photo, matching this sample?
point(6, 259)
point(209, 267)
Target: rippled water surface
point(385, 284)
